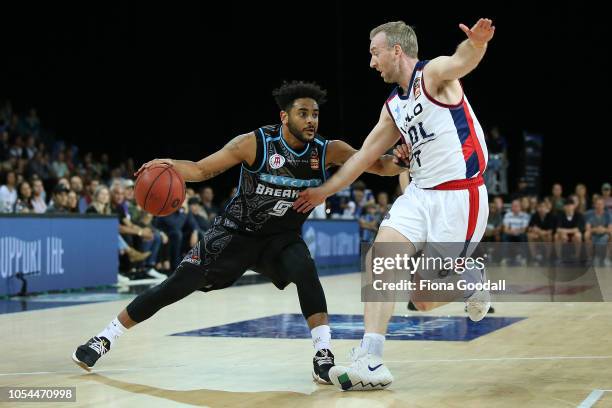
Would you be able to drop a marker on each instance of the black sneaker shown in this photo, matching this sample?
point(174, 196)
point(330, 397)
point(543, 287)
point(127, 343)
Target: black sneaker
point(322, 362)
point(86, 355)
point(411, 306)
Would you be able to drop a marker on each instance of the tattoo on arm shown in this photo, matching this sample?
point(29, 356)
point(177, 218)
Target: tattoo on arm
point(210, 175)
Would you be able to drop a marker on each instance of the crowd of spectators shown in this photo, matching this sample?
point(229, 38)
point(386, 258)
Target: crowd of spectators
point(39, 174)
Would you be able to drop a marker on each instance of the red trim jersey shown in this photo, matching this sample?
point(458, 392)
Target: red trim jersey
point(447, 141)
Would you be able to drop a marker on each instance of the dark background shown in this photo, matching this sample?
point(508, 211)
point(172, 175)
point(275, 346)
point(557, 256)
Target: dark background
point(180, 79)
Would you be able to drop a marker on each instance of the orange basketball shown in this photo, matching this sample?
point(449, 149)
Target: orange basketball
point(160, 190)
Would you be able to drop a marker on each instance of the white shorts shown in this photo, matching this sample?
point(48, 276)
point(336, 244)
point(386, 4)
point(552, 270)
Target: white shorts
point(440, 216)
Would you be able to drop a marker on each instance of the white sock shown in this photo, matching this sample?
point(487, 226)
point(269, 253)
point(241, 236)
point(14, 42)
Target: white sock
point(113, 330)
point(373, 343)
point(321, 337)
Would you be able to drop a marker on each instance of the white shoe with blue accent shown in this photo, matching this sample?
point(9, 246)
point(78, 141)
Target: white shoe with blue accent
point(479, 303)
point(366, 373)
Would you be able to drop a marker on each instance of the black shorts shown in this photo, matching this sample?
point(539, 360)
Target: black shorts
point(225, 253)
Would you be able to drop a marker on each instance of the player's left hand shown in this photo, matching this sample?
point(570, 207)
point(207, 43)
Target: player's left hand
point(481, 33)
point(309, 199)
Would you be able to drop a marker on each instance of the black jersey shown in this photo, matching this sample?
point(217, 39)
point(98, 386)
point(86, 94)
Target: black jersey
point(268, 188)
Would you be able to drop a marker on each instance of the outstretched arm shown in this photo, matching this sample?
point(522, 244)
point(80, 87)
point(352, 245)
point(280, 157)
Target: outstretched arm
point(242, 148)
point(381, 138)
point(466, 57)
point(339, 152)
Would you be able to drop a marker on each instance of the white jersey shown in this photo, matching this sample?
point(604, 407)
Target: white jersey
point(447, 141)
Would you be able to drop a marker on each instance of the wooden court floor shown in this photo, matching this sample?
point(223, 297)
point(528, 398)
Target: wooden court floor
point(557, 355)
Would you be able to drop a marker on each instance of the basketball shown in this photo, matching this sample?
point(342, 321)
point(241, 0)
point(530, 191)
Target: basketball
point(160, 190)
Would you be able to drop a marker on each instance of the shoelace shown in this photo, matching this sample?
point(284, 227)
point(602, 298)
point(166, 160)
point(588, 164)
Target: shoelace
point(98, 346)
point(324, 359)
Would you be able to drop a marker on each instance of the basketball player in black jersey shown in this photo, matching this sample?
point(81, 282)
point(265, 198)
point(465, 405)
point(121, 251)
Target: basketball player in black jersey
point(258, 229)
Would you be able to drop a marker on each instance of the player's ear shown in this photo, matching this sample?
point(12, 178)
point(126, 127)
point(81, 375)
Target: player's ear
point(397, 49)
point(284, 116)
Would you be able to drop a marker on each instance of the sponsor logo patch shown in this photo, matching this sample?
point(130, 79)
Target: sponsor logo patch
point(276, 161)
point(315, 163)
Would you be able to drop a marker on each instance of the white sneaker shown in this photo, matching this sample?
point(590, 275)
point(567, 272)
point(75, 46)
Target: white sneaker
point(366, 373)
point(155, 274)
point(478, 305)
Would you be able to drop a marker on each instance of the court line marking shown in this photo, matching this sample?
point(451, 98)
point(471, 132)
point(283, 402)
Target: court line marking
point(463, 360)
point(502, 359)
point(592, 398)
point(108, 370)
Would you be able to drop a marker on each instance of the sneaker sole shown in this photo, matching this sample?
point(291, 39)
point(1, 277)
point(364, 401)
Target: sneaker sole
point(80, 363)
point(358, 386)
point(319, 380)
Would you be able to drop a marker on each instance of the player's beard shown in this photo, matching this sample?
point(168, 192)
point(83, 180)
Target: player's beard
point(299, 134)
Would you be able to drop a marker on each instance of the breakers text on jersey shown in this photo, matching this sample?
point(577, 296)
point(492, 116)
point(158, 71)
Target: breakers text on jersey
point(277, 192)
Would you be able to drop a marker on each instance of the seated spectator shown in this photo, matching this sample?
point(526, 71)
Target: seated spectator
point(23, 205)
point(382, 200)
point(556, 199)
point(514, 229)
point(38, 198)
point(72, 203)
point(199, 214)
point(182, 231)
point(598, 229)
point(100, 204)
point(576, 201)
point(494, 224)
point(130, 232)
point(8, 192)
point(541, 224)
point(87, 195)
point(515, 224)
point(583, 199)
point(533, 204)
point(354, 208)
point(207, 195)
point(59, 166)
point(540, 232)
point(338, 202)
point(525, 205)
point(76, 185)
point(368, 222)
point(59, 199)
point(570, 225)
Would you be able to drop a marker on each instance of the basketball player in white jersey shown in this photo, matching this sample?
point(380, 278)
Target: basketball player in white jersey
point(446, 200)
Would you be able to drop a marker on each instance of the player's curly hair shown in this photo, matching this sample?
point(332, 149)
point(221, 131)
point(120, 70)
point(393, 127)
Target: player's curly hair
point(288, 92)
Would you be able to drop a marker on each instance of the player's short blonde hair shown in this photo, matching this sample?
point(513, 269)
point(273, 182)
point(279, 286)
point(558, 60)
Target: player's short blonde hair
point(400, 33)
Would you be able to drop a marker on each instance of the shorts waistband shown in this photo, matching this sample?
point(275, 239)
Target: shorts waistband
point(460, 184)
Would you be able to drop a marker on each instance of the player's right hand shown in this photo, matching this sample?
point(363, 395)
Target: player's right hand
point(401, 155)
point(148, 164)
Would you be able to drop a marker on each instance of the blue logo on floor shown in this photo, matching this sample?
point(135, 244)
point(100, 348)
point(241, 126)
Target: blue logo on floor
point(293, 326)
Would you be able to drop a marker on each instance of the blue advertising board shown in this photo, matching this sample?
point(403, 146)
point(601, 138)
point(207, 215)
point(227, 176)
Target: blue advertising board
point(333, 244)
point(57, 252)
